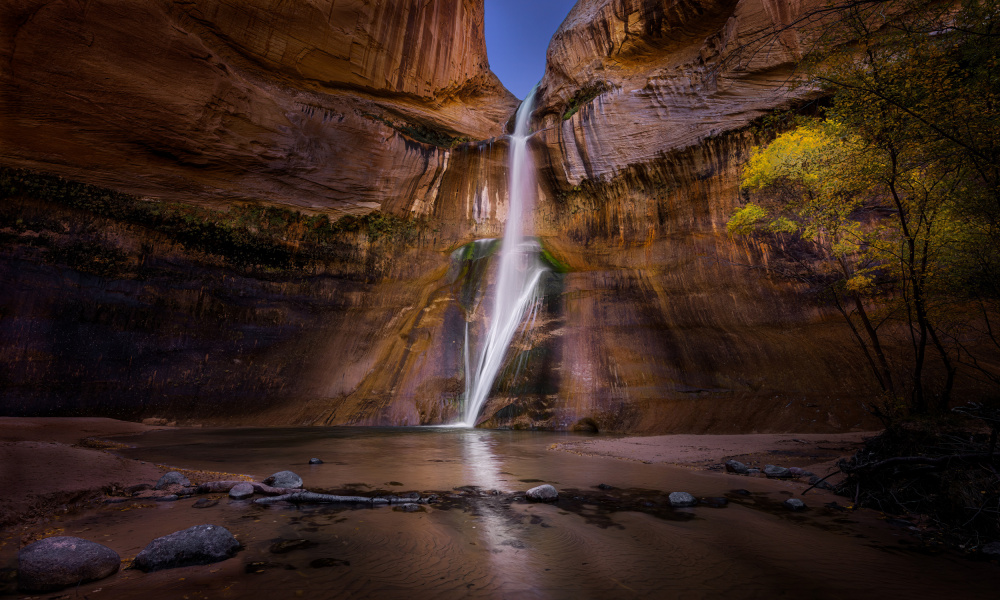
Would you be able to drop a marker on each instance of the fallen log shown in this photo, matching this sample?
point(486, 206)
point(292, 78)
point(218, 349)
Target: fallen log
point(301, 497)
point(258, 488)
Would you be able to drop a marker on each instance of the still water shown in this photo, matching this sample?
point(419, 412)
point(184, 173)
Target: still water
point(483, 540)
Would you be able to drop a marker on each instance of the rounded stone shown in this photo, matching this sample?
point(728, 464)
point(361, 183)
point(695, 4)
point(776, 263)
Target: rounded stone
point(171, 478)
point(794, 504)
point(543, 493)
point(315, 461)
point(241, 491)
point(198, 545)
point(735, 466)
point(777, 472)
point(681, 499)
point(284, 479)
point(57, 562)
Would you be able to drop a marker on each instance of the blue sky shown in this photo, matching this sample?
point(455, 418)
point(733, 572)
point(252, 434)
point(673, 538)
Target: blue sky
point(517, 34)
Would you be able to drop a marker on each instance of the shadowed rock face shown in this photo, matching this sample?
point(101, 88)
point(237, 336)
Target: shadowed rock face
point(318, 104)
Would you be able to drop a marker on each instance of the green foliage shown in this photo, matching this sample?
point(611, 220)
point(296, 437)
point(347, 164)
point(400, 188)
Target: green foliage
point(246, 236)
point(893, 194)
point(421, 132)
point(746, 219)
point(582, 96)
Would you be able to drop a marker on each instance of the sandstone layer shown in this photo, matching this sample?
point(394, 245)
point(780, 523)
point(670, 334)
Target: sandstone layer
point(327, 106)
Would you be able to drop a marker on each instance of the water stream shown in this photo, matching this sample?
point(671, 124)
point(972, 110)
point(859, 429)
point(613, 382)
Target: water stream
point(518, 274)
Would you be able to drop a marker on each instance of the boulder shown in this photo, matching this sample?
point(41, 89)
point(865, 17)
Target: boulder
point(57, 562)
point(682, 499)
point(241, 491)
point(777, 472)
point(284, 479)
point(735, 466)
point(542, 493)
point(198, 545)
point(171, 478)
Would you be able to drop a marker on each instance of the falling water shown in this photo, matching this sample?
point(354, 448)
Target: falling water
point(518, 274)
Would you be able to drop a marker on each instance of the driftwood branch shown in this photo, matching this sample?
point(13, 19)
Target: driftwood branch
point(939, 462)
point(314, 498)
point(819, 482)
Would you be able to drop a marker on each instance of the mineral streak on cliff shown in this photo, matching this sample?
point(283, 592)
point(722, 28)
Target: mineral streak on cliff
point(339, 107)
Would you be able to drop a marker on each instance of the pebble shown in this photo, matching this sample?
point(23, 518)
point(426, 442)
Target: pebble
point(168, 498)
point(682, 499)
point(61, 561)
point(315, 461)
point(542, 493)
point(794, 504)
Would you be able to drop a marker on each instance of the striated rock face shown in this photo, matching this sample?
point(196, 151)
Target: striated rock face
point(661, 75)
point(328, 106)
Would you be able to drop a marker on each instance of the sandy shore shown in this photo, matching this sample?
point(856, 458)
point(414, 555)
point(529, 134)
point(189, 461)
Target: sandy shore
point(47, 466)
point(816, 452)
point(50, 465)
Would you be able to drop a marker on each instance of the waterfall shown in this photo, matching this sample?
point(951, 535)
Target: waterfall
point(519, 271)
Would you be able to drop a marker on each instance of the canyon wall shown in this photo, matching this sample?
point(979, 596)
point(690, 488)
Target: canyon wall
point(337, 107)
point(654, 319)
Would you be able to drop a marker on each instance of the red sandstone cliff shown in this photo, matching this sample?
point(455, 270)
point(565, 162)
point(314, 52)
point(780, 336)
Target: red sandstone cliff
point(314, 104)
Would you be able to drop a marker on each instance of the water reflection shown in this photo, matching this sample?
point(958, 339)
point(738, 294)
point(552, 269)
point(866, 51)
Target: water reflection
point(482, 467)
point(499, 533)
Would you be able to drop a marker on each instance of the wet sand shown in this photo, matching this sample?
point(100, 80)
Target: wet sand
point(46, 469)
point(817, 452)
point(483, 539)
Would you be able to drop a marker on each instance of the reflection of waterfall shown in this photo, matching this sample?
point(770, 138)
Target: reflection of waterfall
point(518, 274)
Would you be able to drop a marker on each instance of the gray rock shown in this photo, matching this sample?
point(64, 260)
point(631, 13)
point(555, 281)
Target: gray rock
point(171, 478)
point(753, 471)
point(284, 479)
point(241, 491)
point(198, 545)
point(543, 493)
point(168, 498)
point(794, 504)
point(797, 472)
point(315, 461)
point(205, 503)
point(57, 562)
point(992, 549)
point(714, 502)
point(777, 472)
point(409, 507)
point(735, 466)
point(682, 499)
point(823, 485)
